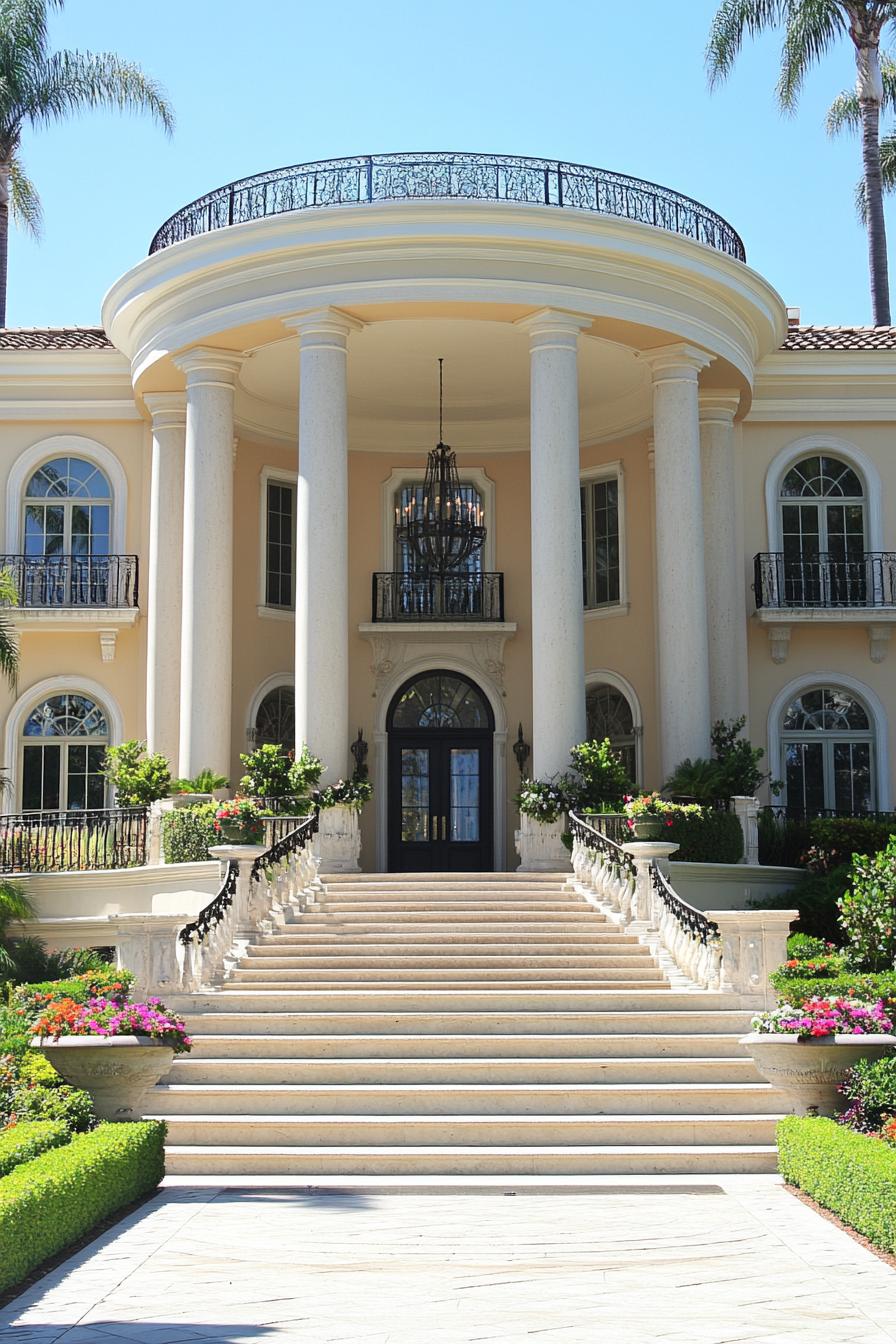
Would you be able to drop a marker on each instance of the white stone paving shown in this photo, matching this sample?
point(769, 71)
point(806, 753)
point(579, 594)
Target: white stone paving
point(733, 1261)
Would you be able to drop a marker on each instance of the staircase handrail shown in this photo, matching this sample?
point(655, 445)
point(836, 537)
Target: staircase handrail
point(692, 920)
point(591, 838)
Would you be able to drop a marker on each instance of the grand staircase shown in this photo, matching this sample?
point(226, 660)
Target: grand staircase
point(491, 1024)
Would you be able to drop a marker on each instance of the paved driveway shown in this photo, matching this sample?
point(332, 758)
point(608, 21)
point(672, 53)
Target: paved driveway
point(725, 1262)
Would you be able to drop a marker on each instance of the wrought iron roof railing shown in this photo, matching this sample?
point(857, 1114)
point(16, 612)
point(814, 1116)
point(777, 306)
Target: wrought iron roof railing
point(372, 178)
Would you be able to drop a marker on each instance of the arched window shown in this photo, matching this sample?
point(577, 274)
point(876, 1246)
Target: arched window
point(608, 713)
point(66, 531)
point(823, 533)
point(440, 700)
point(64, 740)
point(827, 739)
point(275, 719)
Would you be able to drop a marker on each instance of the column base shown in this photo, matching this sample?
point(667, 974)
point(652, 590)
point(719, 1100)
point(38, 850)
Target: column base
point(338, 840)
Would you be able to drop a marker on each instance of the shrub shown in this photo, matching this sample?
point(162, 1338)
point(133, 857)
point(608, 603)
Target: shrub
point(602, 774)
point(783, 841)
point(138, 779)
point(868, 909)
point(797, 990)
point(207, 781)
point(733, 770)
point(816, 899)
point(713, 837)
point(841, 837)
point(188, 833)
point(28, 1001)
point(272, 774)
point(870, 1087)
point(827, 966)
point(346, 792)
point(34, 963)
point(851, 1174)
point(23, 1142)
point(546, 799)
point(52, 1201)
point(53, 1101)
point(803, 947)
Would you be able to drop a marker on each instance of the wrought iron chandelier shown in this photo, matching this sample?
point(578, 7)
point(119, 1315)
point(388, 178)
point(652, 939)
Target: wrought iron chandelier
point(439, 527)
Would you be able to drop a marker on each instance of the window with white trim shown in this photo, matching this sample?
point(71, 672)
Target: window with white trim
point(601, 543)
point(280, 544)
point(411, 493)
point(64, 741)
point(828, 753)
point(609, 714)
point(823, 532)
point(275, 719)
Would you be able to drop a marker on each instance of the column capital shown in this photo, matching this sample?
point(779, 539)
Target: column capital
point(676, 363)
point(718, 407)
point(553, 329)
point(323, 328)
point(207, 367)
point(167, 410)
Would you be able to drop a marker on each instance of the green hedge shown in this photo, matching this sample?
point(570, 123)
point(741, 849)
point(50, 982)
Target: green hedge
point(846, 836)
point(851, 1174)
point(54, 1200)
point(25, 1141)
point(716, 837)
point(796, 990)
point(189, 832)
point(816, 898)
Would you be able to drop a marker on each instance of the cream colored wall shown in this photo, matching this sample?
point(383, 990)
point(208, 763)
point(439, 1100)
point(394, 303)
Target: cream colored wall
point(828, 646)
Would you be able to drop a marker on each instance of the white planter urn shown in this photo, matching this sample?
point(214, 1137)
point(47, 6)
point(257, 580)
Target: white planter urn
point(811, 1071)
point(338, 840)
point(540, 847)
point(117, 1071)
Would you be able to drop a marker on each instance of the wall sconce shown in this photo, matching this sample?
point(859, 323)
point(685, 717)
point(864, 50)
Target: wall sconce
point(521, 750)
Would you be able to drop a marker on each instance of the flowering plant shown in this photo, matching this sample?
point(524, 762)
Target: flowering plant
point(242, 814)
point(347, 792)
point(825, 1017)
point(545, 799)
point(103, 1017)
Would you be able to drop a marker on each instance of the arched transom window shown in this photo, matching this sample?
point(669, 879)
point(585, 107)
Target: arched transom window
point(822, 508)
point(609, 714)
point(64, 740)
point(440, 700)
point(275, 719)
point(826, 735)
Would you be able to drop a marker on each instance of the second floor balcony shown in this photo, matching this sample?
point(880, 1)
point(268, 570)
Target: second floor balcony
point(438, 597)
point(824, 582)
point(68, 582)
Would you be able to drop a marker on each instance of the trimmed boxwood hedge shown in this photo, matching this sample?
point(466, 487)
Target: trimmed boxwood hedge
point(52, 1201)
point(853, 1175)
point(188, 833)
point(29, 1139)
point(714, 837)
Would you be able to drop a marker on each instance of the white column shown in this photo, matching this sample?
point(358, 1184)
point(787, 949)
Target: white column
point(725, 607)
point(322, 538)
point(207, 614)
point(558, 651)
point(163, 587)
point(683, 654)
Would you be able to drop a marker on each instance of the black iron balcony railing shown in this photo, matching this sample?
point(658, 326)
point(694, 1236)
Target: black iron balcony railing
point(438, 176)
point(825, 581)
point(60, 581)
point(438, 597)
point(74, 841)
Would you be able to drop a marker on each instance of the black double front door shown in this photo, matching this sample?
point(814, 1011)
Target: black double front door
point(440, 801)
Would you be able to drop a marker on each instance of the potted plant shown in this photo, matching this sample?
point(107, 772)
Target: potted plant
point(807, 1051)
point(338, 841)
point(115, 1051)
point(200, 789)
point(239, 822)
point(648, 815)
point(543, 804)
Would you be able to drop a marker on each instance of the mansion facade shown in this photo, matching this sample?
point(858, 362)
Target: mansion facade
point(689, 502)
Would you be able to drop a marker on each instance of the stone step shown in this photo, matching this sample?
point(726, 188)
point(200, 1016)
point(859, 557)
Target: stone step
point(227, 1020)
point(495, 984)
point(472, 1160)
point(446, 879)
point(456, 908)
point(521, 1049)
point(491, 961)
point(495, 977)
point(513, 1101)
point(471, 917)
point(522, 1003)
point(331, 1130)
point(315, 936)
point(514, 893)
point(207, 1064)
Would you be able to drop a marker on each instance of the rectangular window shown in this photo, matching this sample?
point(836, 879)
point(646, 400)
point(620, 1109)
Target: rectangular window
point(600, 543)
point(280, 515)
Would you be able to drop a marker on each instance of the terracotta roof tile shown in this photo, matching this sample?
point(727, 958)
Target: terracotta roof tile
point(54, 338)
point(840, 338)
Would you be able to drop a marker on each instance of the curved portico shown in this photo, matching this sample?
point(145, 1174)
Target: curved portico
point(566, 331)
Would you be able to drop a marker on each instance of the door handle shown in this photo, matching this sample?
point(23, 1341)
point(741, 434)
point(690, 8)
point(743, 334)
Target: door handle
point(444, 828)
point(434, 825)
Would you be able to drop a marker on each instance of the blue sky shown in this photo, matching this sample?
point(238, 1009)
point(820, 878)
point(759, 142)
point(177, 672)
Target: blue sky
point(274, 82)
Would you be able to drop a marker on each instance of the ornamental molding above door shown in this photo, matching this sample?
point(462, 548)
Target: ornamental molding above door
point(398, 647)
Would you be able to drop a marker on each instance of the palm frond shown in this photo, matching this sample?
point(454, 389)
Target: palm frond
point(887, 175)
point(73, 81)
point(845, 113)
point(734, 20)
point(811, 28)
point(24, 201)
point(14, 904)
point(9, 646)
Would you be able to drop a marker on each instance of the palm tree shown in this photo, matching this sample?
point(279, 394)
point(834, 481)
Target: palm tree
point(38, 87)
point(845, 113)
point(811, 27)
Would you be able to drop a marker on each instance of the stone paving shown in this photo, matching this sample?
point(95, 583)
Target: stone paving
point(731, 1261)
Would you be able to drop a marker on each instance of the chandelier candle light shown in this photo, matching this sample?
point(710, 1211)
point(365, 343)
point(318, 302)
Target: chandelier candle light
point(440, 527)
